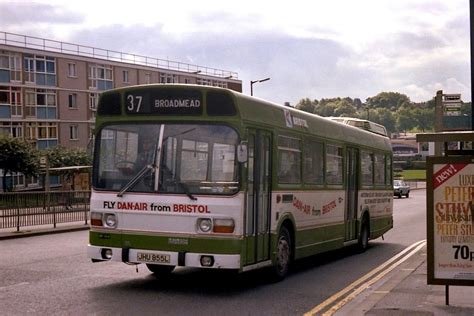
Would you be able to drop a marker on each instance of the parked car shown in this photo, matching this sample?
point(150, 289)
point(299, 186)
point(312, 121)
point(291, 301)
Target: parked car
point(400, 188)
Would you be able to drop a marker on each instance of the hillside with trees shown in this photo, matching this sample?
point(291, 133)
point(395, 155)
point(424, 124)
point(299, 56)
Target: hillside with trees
point(392, 109)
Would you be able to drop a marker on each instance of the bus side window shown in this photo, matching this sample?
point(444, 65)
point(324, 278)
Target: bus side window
point(379, 169)
point(367, 170)
point(289, 160)
point(313, 162)
point(334, 165)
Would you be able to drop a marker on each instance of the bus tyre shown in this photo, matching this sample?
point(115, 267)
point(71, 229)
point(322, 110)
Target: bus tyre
point(363, 243)
point(283, 255)
point(160, 270)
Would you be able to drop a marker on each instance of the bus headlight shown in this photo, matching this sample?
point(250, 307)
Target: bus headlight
point(204, 224)
point(110, 220)
point(224, 225)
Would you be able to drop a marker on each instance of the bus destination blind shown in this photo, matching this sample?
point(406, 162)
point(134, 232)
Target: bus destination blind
point(164, 102)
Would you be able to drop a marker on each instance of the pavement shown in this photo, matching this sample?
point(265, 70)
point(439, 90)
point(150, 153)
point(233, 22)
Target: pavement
point(28, 231)
point(402, 291)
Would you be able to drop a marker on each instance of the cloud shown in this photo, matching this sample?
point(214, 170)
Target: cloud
point(20, 13)
point(298, 67)
point(399, 46)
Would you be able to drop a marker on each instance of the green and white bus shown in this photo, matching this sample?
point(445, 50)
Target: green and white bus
point(230, 181)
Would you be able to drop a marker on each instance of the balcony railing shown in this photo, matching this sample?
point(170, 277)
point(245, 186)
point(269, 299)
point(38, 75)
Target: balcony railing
point(110, 55)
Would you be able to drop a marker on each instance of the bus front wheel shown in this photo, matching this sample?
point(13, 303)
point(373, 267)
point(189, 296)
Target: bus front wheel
point(283, 254)
point(364, 236)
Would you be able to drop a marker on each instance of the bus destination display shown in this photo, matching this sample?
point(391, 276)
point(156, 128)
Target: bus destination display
point(167, 102)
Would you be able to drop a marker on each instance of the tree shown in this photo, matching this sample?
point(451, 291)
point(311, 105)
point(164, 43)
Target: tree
point(59, 156)
point(307, 105)
point(16, 155)
point(344, 108)
point(405, 119)
point(326, 108)
point(386, 118)
point(389, 100)
point(424, 118)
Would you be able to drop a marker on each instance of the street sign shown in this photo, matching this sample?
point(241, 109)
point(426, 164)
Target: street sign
point(452, 104)
point(452, 98)
point(43, 161)
point(452, 109)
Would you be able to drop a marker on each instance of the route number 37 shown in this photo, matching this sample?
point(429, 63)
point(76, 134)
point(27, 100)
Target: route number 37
point(134, 103)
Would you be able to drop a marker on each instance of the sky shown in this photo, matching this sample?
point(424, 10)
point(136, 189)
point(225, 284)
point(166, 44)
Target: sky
point(309, 49)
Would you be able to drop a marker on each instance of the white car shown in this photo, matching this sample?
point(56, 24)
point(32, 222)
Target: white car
point(400, 188)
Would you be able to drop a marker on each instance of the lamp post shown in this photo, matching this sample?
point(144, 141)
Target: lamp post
point(256, 81)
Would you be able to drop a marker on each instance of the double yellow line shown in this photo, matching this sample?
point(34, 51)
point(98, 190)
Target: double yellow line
point(355, 288)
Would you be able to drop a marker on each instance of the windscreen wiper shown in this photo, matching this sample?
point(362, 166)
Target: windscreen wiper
point(186, 190)
point(135, 179)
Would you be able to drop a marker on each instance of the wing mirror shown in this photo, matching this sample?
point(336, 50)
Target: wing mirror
point(242, 152)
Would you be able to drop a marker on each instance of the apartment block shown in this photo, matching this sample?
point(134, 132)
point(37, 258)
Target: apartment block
point(49, 89)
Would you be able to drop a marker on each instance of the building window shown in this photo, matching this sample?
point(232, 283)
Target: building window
point(29, 69)
point(168, 78)
point(100, 77)
point(40, 70)
point(125, 76)
point(71, 68)
point(204, 82)
point(10, 102)
point(218, 83)
point(31, 131)
point(93, 101)
point(45, 104)
point(43, 133)
point(15, 68)
point(4, 61)
point(10, 67)
point(5, 111)
point(30, 103)
point(47, 131)
point(73, 100)
point(73, 132)
point(15, 102)
point(14, 130)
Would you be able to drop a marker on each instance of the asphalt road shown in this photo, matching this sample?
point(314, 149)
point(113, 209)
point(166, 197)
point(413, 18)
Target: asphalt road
point(52, 275)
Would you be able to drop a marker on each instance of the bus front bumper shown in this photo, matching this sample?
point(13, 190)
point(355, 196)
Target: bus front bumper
point(184, 259)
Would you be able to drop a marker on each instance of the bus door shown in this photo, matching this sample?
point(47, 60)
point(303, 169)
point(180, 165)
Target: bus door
point(350, 214)
point(257, 213)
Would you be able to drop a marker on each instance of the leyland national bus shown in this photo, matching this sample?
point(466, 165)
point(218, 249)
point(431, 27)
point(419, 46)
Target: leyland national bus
point(196, 176)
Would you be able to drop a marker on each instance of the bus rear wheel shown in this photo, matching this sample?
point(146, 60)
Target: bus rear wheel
point(283, 255)
point(160, 270)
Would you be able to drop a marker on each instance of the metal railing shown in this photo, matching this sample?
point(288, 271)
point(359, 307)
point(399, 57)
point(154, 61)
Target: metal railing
point(416, 184)
point(110, 55)
point(21, 209)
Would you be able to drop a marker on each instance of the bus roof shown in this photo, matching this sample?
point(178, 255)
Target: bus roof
point(361, 123)
point(263, 113)
point(288, 118)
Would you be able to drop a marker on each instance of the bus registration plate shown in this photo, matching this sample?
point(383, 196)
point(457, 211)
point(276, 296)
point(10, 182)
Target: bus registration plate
point(153, 257)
